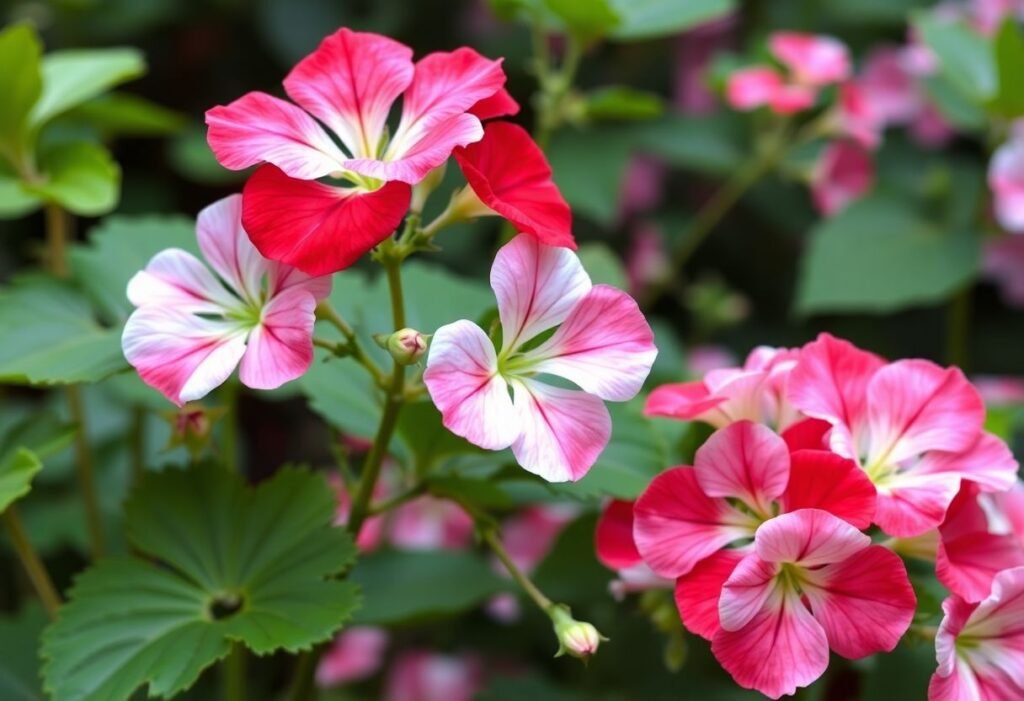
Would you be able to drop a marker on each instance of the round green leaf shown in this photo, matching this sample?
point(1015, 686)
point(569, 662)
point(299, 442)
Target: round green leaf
point(81, 177)
point(74, 76)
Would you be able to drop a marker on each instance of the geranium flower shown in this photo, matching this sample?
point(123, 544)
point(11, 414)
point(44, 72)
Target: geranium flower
point(695, 523)
point(857, 117)
point(419, 675)
point(494, 399)
point(616, 550)
point(1006, 179)
point(355, 654)
point(1002, 262)
point(980, 646)
point(754, 392)
point(811, 583)
point(349, 84)
point(843, 174)
point(428, 523)
point(193, 327)
point(914, 427)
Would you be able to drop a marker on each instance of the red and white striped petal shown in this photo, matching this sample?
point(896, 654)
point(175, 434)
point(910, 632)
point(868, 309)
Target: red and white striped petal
point(809, 538)
point(819, 479)
point(176, 277)
point(280, 348)
point(745, 461)
point(227, 248)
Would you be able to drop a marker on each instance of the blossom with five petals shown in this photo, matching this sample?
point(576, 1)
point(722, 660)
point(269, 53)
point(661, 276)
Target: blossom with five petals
point(915, 428)
point(811, 583)
point(349, 84)
point(495, 399)
point(192, 327)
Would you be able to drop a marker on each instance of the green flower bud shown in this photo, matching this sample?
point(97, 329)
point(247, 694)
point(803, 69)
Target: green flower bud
point(406, 346)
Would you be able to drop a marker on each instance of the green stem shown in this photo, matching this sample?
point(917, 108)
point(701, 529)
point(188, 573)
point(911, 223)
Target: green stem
point(58, 232)
point(86, 473)
point(305, 670)
point(352, 346)
point(234, 673)
point(30, 560)
point(395, 501)
point(490, 536)
point(958, 328)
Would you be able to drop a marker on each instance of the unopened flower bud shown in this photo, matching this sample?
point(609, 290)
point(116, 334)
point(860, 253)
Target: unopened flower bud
point(191, 426)
point(577, 638)
point(407, 346)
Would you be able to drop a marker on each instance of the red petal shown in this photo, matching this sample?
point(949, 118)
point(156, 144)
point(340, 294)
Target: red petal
point(614, 536)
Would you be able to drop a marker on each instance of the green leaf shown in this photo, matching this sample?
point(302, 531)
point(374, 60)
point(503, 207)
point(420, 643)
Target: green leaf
point(16, 473)
point(570, 572)
point(603, 266)
point(620, 103)
point(879, 255)
point(120, 247)
point(954, 106)
point(253, 565)
point(650, 19)
point(21, 84)
point(588, 165)
point(587, 19)
point(410, 586)
point(965, 57)
point(79, 176)
point(19, 668)
point(15, 201)
point(125, 114)
point(709, 145)
point(899, 675)
point(57, 341)
point(1009, 51)
point(75, 76)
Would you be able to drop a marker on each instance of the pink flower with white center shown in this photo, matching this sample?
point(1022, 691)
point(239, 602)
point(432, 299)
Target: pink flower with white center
point(192, 327)
point(696, 523)
point(616, 550)
point(1006, 179)
point(493, 397)
point(357, 653)
point(813, 60)
point(754, 392)
point(811, 583)
point(428, 523)
point(349, 85)
point(419, 675)
point(843, 174)
point(916, 429)
point(979, 539)
point(980, 646)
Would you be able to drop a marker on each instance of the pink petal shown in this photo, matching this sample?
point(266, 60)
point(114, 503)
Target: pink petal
point(858, 118)
point(813, 60)
point(428, 523)
point(676, 525)
point(349, 83)
point(808, 434)
point(1006, 180)
point(698, 592)
point(745, 461)
point(430, 150)
point(911, 504)
point(752, 87)
point(530, 534)
point(781, 649)
point(500, 104)
point(463, 381)
point(988, 462)
point(257, 128)
point(357, 653)
point(182, 355)
point(227, 248)
point(808, 537)
point(746, 591)
point(613, 539)
point(176, 277)
point(510, 175)
point(563, 431)
point(889, 87)
point(964, 684)
point(865, 603)
point(968, 563)
point(844, 173)
point(604, 346)
point(957, 613)
point(426, 676)
point(280, 348)
point(314, 227)
point(537, 287)
point(683, 400)
point(792, 99)
point(823, 480)
point(915, 406)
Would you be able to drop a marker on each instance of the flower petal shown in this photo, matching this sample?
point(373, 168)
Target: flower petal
point(463, 381)
point(819, 479)
point(314, 227)
point(357, 653)
point(613, 539)
point(746, 461)
point(998, 622)
point(808, 537)
point(813, 59)
point(500, 104)
point(746, 591)
point(563, 431)
point(349, 83)
point(988, 463)
point(910, 504)
point(510, 175)
point(684, 400)
point(280, 348)
point(227, 248)
point(182, 355)
point(698, 592)
point(604, 346)
point(176, 277)
point(808, 434)
point(865, 603)
point(753, 87)
point(676, 525)
point(537, 287)
point(257, 128)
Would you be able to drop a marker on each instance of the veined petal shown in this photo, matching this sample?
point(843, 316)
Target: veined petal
point(314, 227)
point(280, 348)
point(746, 461)
point(780, 650)
point(511, 176)
point(698, 592)
point(176, 277)
point(684, 400)
point(808, 434)
point(613, 538)
point(428, 152)
point(819, 479)
point(537, 286)
point(349, 83)
point(563, 431)
point(182, 355)
point(808, 537)
point(226, 246)
point(463, 381)
point(604, 346)
point(865, 603)
point(676, 525)
point(746, 591)
point(281, 277)
point(988, 463)
point(910, 504)
point(257, 128)
point(500, 104)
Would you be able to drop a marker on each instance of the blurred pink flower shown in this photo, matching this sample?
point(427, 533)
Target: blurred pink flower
point(695, 50)
point(843, 174)
point(999, 390)
point(428, 523)
point(1006, 179)
point(930, 128)
point(889, 85)
point(529, 535)
point(1003, 263)
point(647, 260)
point(641, 185)
point(356, 654)
point(813, 60)
point(705, 358)
point(419, 675)
point(988, 15)
point(372, 532)
point(858, 117)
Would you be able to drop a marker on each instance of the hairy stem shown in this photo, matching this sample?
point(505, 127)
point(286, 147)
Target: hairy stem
point(490, 536)
point(30, 560)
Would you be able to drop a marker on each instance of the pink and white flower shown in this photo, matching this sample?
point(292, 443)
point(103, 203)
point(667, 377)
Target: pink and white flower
point(349, 85)
point(192, 327)
point(616, 550)
point(419, 675)
point(428, 523)
point(980, 646)
point(1006, 179)
point(811, 582)
point(915, 428)
point(754, 392)
point(843, 174)
point(355, 654)
point(696, 523)
point(493, 397)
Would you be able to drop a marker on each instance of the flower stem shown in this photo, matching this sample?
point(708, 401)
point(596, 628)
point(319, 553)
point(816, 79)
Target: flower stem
point(958, 328)
point(31, 561)
point(351, 346)
point(58, 231)
point(397, 500)
point(234, 673)
point(490, 536)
